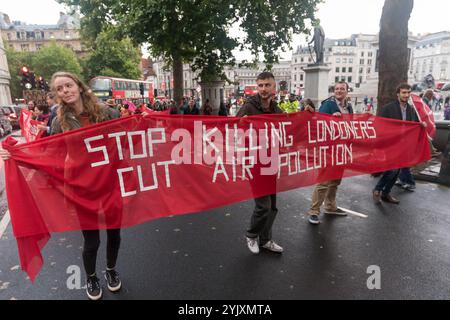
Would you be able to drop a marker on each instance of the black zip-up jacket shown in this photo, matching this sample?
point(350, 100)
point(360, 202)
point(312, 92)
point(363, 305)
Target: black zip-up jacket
point(253, 106)
point(393, 111)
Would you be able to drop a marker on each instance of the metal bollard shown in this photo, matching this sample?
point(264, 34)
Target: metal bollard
point(444, 173)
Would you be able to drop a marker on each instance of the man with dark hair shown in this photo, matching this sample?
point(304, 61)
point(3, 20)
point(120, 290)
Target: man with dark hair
point(400, 110)
point(326, 190)
point(51, 103)
point(260, 231)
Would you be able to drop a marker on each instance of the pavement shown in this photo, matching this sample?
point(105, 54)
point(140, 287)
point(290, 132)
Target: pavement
point(203, 255)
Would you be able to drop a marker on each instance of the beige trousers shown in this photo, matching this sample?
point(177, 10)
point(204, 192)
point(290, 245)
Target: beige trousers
point(324, 192)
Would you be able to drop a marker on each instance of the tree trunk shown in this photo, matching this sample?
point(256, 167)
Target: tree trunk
point(177, 79)
point(393, 52)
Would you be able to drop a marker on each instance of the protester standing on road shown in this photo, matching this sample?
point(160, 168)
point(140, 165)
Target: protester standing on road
point(399, 110)
point(447, 109)
point(50, 97)
point(31, 105)
point(206, 108)
point(260, 231)
point(336, 105)
point(308, 105)
point(79, 108)
point(191, 108)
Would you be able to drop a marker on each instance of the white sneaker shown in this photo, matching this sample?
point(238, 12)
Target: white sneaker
point(252, 244)
point(272, 246)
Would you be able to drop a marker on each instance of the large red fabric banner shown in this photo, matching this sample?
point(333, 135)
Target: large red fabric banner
point(425, 114)
point(29, 127)
point(127, 171)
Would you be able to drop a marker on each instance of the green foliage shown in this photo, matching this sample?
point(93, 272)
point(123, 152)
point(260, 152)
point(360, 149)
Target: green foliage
point(54, 58)
point(198, 31)
point(45, 62)
point(112, 57)
point(15, 61)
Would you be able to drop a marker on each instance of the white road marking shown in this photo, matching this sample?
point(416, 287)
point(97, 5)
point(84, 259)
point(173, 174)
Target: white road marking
point(4, 223)
point(354, 213)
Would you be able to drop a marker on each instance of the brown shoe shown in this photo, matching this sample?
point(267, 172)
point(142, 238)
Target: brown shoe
point(390, 199)
point(377, 197)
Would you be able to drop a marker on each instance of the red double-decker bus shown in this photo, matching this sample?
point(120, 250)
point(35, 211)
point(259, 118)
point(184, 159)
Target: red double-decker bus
point(250, 90)
point(122, 89)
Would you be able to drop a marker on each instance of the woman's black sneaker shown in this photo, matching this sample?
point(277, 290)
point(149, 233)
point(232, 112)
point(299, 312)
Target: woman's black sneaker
point(93, 288)
point(113, 281)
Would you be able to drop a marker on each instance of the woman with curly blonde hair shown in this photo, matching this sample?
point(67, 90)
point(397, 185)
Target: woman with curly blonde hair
point(79, 108)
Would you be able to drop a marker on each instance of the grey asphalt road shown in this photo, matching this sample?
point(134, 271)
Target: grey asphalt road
point(204, 255)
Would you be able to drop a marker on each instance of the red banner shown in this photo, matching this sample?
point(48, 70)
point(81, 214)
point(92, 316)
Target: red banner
point(127, 171)
point(29, 127)
point(425, 114)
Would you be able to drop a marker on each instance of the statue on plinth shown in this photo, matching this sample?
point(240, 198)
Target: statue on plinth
point(318, 39)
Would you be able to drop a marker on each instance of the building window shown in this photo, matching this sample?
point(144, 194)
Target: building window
point(295, 60)
point(370, 54)
point(368, 70)
point(350, 69)
point(344, 69)
point(37, 35)
point(301, 59)
point(295, 77)
point(25, 47)
point(342, 78)
point(66, 34)
point(38, 46)
point(8, 35)
point(344, 60)
point(350, 60)
point(349, 79)
point(337, 69)
point(338, 60)
point(360, 79)
point(369, 61)
point(336, 79)
point(362, 54)
point(301, 77)
point(361, 61)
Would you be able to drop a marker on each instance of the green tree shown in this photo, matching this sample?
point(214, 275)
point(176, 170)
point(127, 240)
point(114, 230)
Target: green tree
point(112, 57)
point(16, 60)
point(394, 53)
point(197, 31)
point(54, 58)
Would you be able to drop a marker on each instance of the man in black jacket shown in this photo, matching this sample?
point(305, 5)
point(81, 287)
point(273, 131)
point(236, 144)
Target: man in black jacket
point(399, 110)
point(260, 231)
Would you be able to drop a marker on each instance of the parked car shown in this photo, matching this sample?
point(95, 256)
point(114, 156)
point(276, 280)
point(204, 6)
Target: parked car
point(13, 114)
point(5, 124)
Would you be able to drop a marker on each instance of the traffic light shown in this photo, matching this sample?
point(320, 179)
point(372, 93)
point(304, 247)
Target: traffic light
point(25, 77)
point(32, 80)
point(41, 83)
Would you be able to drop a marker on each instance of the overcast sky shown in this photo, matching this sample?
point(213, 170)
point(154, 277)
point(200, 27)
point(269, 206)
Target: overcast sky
point(339, 18)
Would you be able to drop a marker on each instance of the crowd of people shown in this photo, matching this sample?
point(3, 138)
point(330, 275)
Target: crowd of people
point(71, 105)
